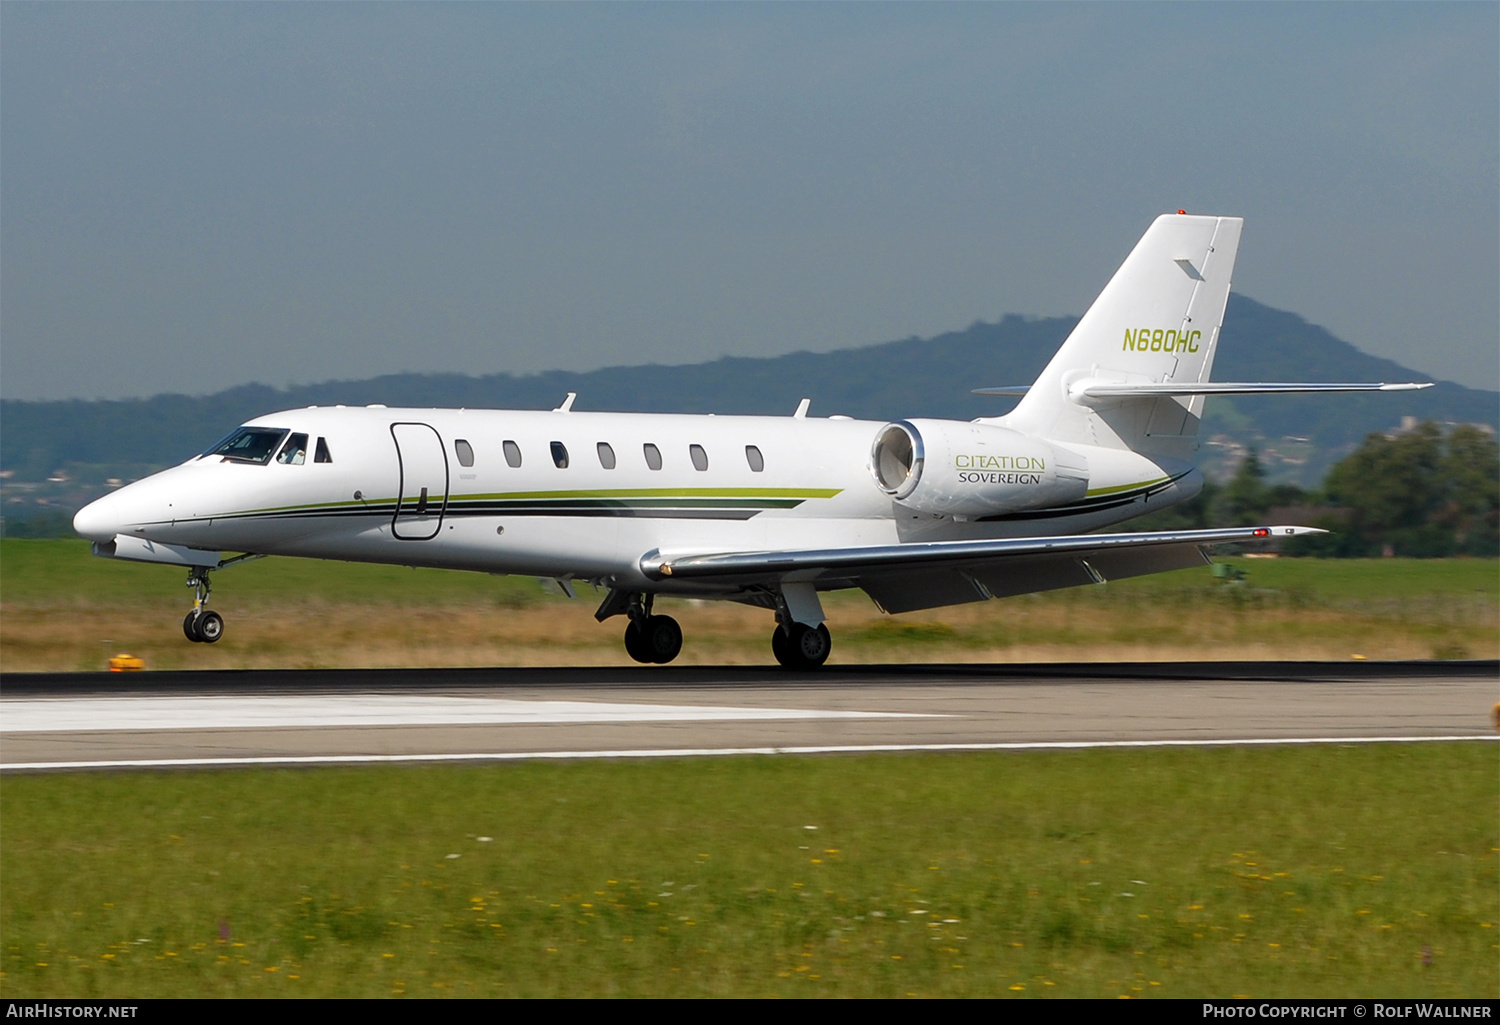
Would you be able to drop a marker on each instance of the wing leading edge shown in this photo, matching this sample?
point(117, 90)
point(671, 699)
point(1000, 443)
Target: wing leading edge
point(907, 577)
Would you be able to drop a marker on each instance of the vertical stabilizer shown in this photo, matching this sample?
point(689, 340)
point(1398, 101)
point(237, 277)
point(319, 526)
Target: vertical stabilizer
point(1156, 322)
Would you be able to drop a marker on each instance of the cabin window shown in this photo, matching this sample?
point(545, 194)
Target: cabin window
point(606, 455)
point(754, 458)
point(462, 449)
point(653, 455)
point(249, 445)
point(323, 455)
point(700, 457)
point(560, 455)
point(294, 452)
point(512, 454)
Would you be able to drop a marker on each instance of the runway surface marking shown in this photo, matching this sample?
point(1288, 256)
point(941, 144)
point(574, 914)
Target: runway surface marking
point(206, 712)
point(191, 763)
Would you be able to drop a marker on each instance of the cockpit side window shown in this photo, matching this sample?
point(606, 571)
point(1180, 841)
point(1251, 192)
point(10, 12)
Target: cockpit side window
point(323, 456)
point(294, 452)
point(251, 445)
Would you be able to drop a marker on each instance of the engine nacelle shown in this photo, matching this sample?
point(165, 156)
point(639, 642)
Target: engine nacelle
point(966, 469)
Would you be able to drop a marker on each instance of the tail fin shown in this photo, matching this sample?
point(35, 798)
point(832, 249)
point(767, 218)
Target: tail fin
point(1156, 322)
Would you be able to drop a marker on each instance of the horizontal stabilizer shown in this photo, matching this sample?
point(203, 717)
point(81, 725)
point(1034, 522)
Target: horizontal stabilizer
point(1004, 389)
point(1090, 388)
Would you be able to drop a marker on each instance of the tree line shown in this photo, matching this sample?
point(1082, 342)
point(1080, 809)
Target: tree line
point(1422, 493)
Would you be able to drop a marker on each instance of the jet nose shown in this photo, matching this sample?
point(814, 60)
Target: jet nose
point(102, 519)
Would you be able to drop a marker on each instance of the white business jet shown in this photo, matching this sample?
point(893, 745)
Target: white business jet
point(767, 511)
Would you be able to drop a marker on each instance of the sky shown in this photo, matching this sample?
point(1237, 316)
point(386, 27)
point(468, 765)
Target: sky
point(195, 196)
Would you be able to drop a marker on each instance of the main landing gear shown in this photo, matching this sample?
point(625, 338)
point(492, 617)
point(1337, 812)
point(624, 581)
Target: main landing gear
point(658, 639)
point(651, 638)
point(797, 643)
point(201, 624)
point(799, 646)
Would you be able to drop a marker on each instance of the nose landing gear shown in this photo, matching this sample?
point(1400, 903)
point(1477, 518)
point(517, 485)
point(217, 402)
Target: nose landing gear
point(201, 625)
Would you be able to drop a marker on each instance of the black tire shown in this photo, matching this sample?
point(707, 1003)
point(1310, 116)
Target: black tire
point(663, 639)
point(190, 628)
point(635, 643)
point(781, 647)
point(803, 647)
point(210, 627)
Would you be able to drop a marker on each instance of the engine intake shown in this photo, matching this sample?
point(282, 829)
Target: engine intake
point(965, 469)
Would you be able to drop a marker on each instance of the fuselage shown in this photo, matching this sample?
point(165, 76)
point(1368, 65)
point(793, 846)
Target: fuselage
point(574, 494)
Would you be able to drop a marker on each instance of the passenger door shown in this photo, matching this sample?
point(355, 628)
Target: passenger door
point(423, 495)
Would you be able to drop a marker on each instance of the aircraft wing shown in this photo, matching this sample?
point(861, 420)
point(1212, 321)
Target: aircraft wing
point(919, 575)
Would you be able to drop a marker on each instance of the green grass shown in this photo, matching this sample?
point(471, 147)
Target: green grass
point(36, 572)
point(1297, 871)
point(45, 572)
point(1350, 579)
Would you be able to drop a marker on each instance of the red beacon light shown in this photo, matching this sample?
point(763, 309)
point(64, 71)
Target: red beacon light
point(1182, 211)
point(1262, 532)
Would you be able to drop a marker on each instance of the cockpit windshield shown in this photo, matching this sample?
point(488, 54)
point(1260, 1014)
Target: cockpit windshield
point(249, 445)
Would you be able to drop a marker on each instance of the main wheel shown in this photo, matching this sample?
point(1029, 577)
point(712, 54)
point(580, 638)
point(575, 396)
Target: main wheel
point(190, 627)
point(210, 627)
point(635, 643)
point(803, 647)
point(663, 639)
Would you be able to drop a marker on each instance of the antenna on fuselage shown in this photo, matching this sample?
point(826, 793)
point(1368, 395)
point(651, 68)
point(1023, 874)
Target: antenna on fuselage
point(801, 413)
point(567, 403)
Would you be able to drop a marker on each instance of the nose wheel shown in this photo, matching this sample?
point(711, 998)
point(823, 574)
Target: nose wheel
point(202, 625)
point(205, 626)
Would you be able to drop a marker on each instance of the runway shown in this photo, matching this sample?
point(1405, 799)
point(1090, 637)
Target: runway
point(108, 721)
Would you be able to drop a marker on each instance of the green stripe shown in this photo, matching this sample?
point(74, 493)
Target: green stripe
point(1092, 492)
point(742, 497)
point(646, 503)
point(315, 505)
point(802, 493)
